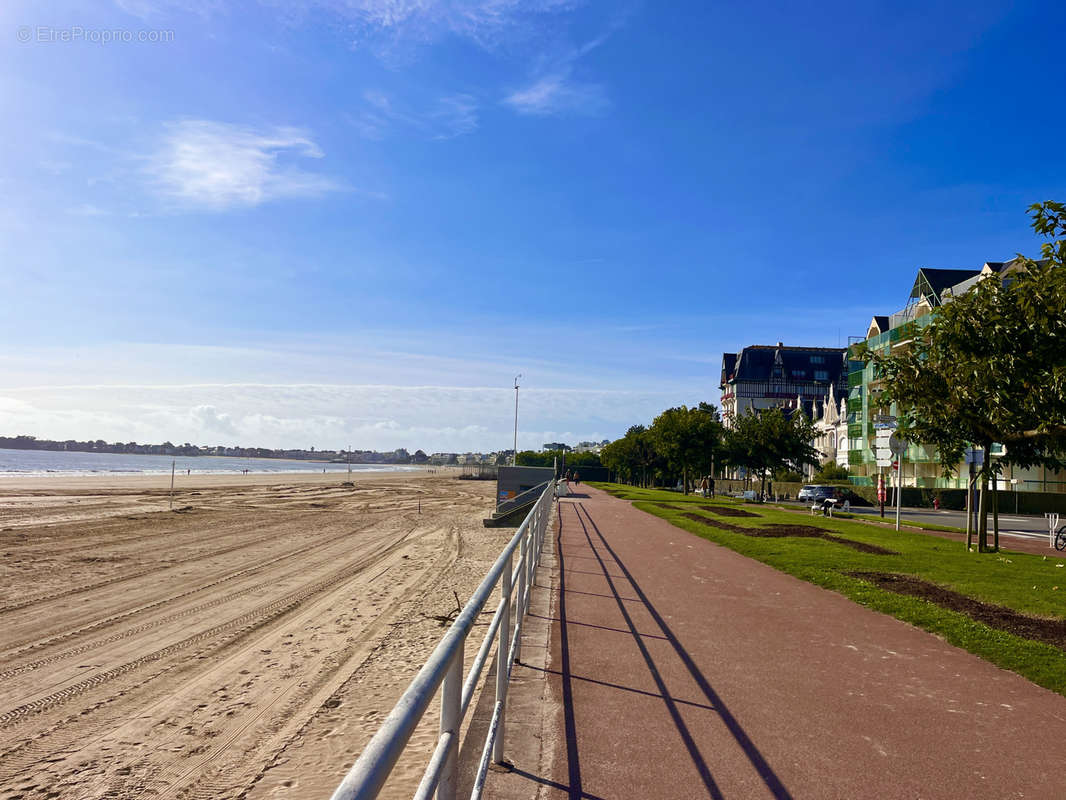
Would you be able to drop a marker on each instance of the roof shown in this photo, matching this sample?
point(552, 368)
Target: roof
point(757, 363)
point(932, 281)
point(729, 360)
point(881, 322)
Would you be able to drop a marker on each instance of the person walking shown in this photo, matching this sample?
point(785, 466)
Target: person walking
point(712, 486)
point(704, 487)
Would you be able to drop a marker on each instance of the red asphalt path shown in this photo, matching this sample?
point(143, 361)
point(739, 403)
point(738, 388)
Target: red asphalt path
point(682, 669)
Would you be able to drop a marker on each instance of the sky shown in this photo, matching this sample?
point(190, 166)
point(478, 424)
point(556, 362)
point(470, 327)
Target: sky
point(333, 223)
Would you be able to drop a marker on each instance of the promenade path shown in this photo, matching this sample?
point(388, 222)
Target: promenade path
point(680, 669)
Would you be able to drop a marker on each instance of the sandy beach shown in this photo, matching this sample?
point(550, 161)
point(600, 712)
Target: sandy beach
point(245, 644)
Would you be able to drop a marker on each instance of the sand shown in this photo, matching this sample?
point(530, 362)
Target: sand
point(246, 644)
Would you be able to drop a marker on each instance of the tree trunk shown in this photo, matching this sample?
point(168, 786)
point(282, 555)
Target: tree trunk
point(969, 513)
point(684, 477)
point(995, 512)
point(982, 511)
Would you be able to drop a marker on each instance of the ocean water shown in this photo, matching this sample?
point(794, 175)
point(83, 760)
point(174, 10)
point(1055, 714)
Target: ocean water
point(42, 463)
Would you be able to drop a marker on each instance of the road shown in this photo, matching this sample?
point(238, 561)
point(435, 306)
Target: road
point(1016, 525)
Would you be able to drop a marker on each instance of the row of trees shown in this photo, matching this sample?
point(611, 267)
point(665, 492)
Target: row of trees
point(551, 457)
point(684, 442)
point(991, 368)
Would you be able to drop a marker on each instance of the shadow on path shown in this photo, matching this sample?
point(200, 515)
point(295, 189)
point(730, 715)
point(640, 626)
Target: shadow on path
point(758, 761)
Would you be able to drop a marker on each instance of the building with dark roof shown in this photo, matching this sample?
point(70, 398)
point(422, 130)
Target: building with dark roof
point(921, 467)
point(775, 376)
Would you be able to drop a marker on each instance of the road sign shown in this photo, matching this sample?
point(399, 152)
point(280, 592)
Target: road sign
point(896, 444)
point(884, 418)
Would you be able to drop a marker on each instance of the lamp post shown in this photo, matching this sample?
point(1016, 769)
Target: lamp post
point(514, 458)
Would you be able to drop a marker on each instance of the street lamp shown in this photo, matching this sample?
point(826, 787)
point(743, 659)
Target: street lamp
point(514, 458)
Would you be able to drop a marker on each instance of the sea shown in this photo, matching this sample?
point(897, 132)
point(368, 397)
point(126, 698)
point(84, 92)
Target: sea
point(61, 463)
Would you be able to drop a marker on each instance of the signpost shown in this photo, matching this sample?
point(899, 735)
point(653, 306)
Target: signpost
point(889, 449)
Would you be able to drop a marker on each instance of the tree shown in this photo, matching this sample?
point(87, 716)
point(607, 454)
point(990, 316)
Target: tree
point(767, 441)
point(687, 438)
point(990, 367)
point(830, 471)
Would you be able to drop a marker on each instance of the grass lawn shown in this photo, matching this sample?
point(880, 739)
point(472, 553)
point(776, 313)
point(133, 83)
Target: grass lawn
point(1030, 584)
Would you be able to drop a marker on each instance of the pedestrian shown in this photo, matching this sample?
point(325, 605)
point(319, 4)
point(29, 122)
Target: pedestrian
point(712, 486)
point(704, 486)
point(577, 477)
point(936, 504)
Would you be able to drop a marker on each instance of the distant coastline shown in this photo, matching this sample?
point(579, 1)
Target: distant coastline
point(25, 442)
point(26, 463)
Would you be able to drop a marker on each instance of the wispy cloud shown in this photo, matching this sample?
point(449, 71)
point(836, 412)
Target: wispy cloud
point(559, 93)
point(488, 23)
point(326, 416)
point(218, 166)
point(555, 89)
point(446, 118)
point(88, 210)
point(387, 24)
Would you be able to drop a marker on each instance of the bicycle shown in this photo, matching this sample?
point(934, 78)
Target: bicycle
point(1060, 538)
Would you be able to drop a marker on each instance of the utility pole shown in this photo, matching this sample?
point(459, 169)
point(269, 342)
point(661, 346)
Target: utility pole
point(514, 458)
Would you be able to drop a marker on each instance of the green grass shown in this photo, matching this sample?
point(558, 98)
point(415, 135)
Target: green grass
point(1031, 584)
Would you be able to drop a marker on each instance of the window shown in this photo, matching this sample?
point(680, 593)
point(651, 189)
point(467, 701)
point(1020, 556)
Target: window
point(799, 373)
point(817, 359)
point(821, 375)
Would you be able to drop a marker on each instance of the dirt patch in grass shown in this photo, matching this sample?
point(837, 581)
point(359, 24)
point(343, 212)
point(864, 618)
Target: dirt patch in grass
point(726, 511)
point(1048, 631)
point(666, 506)
point(792, 531)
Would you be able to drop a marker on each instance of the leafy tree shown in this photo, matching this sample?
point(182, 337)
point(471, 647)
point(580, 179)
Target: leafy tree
point(632, 457)
point(687, 438)
point(830, 471)
point(991, 367)
point(767, 441)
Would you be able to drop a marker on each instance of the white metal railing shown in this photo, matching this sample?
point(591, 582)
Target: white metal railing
point(445, 666)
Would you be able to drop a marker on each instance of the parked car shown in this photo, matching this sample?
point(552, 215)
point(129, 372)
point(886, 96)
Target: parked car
point(815, 494)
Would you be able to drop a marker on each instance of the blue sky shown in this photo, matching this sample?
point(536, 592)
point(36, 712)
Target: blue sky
point(343, 222)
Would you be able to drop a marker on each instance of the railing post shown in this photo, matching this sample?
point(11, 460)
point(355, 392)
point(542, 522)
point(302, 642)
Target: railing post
point(502, 659)
point(520, 604)
point(451, 698)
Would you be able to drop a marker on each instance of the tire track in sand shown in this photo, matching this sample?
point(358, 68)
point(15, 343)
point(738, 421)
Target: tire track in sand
point(231, 629)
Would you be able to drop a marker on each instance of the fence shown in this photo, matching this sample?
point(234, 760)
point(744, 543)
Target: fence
point(445, 666)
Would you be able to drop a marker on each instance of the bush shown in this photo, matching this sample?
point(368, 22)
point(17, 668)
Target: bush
point(830, 472)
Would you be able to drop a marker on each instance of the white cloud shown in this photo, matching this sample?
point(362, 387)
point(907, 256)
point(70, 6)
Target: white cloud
point(556, 91)
point(485, 22)
point(559, 94)
point(448, 117)
point(218, 166)
point(88, 210)
point(325, 416)
point(455, 115)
